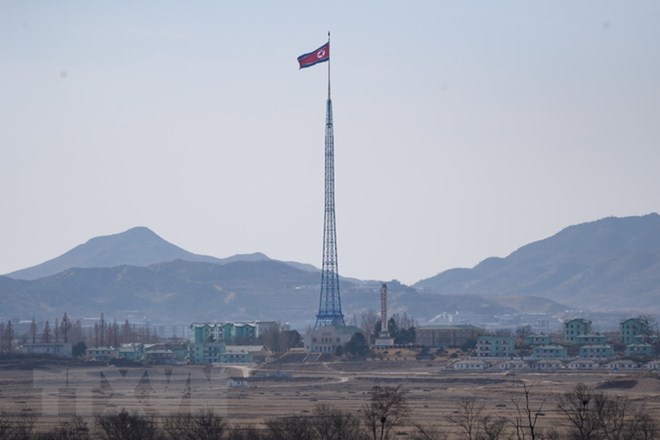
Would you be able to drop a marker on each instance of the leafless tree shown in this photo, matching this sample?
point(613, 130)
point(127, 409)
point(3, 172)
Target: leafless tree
point(75, 429)
point(586, 410)
point(240, 432)
point(18, 426)
point(127, 426)
point(467, 417)
point(205, 425)
point(387, 409)
point(427, 433)
point(332, 423)
point(290, 428)
point(492, 428)
point(526, 418)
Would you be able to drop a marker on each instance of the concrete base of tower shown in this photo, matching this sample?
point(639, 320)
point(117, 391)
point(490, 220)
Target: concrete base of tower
point(382, 341)
point(326, 339)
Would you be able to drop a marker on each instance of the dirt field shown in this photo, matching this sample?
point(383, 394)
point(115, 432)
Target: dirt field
point(57, 393)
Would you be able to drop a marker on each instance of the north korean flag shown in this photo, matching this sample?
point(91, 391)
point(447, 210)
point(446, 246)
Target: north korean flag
point(320, 55)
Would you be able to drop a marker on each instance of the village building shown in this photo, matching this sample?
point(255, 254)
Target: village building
point(445, 336)
point(550, 351)
point(596, 351)
point(491, 346)
point(574, 328)
point(54, 348)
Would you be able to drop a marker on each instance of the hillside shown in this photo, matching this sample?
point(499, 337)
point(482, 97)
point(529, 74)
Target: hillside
point(137, 246)
point(606, 265)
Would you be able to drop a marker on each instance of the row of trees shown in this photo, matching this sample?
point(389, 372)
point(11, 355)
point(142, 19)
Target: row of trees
point(65, 330)
point(400, 326)
point(588, 415)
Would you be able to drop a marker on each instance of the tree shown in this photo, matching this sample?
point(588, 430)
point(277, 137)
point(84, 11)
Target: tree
point(75, 429)
point(585, 409)
point(331, 423)
point(522, 332)
point(33, 330)
point(468, 418)
point(8, 338)
point(205, 425)
point(526, 418)
point(45, 336)
point(387, 408)
point(367, 321)
point(125, 426)
point(65, 326)
point(290, 428)
point(78, 349)
point(357, 346)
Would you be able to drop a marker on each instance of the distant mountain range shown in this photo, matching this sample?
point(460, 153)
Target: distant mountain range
point(611, 264)
point(606, 265)
point(138, 246)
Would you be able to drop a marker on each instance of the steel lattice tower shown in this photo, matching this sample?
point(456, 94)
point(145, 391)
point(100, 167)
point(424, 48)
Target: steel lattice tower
point(330, 300)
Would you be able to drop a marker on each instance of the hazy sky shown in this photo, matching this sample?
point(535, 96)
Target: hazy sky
point(463, 130)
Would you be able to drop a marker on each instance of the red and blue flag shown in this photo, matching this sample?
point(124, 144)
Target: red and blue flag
point(320, 55)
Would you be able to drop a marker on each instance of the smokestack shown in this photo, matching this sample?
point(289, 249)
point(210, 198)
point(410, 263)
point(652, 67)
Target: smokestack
point(383, 308)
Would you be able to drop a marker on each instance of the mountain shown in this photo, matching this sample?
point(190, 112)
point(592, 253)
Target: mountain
point(612, 264)
point(135, 247)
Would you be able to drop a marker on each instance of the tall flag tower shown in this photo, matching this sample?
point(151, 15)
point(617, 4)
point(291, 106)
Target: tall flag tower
point(330, 301)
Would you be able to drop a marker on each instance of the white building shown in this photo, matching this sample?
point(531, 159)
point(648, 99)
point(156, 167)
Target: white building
point(54, 348)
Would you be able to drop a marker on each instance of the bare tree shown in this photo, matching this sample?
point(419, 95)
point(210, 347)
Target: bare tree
point(205, 425)
point(125, 426)
point(427, 433)
point(492, 427)
point(467, 417)
point(522, 332)
point(332, 423)
point(585, 409)
point(240, 432)
point(387, 409)
point(75, 429)
point(526, 417)
point(290, 428)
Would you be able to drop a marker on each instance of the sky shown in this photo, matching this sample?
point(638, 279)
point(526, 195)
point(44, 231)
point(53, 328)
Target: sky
point(463, 130)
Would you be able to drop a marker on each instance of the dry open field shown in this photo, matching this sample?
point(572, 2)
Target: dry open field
point(56, 393)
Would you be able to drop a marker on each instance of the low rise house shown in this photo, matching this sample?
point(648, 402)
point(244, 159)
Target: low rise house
point(237, 382)
point(583, 364)
point(132, 351)
point(640, 350)
point(470, 364)
point(536, 340)
point(550, 352)
point(159, 356)
point(548, 364)
point(491, 346)
point(654, 365)
point(513, 364)
point(596, 352)
point(591, 339)
point(57, 349)
point(101, 353)
point(622, 365)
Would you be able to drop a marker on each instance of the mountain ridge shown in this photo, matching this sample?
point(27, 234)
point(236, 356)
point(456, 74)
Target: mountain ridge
point(594, 260)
